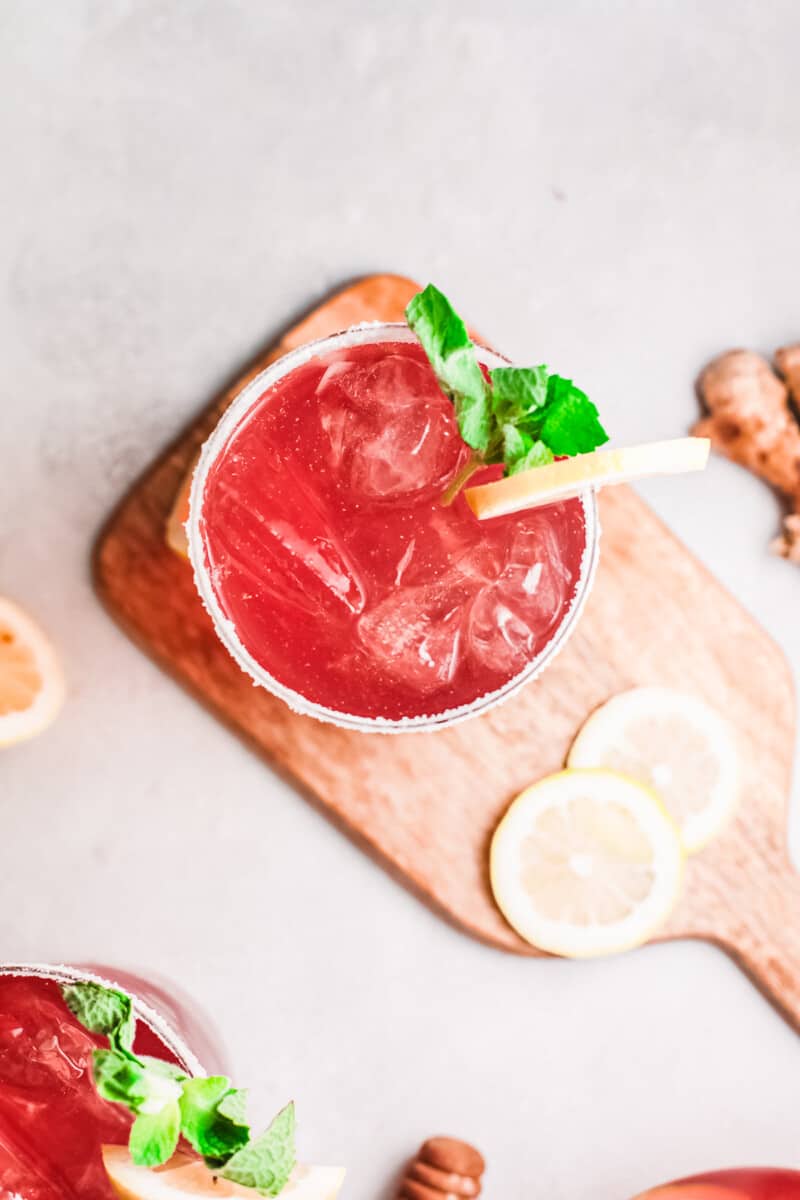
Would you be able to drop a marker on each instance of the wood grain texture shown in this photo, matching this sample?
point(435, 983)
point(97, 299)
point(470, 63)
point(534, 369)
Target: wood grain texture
point(425, 804)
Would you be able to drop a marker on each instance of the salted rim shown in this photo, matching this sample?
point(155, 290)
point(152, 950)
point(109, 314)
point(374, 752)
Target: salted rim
point(66, 974)
point(365, 333)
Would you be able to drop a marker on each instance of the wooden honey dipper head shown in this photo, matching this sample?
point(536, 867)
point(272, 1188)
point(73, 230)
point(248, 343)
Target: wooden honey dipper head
point(444, 1168)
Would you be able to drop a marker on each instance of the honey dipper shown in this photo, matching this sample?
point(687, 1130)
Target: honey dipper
point(443, 1168)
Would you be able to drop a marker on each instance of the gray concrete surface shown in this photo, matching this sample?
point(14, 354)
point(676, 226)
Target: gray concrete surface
point(614, 187)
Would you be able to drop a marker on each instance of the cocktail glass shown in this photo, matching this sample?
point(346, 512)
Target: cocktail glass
point(52, 1121)
point(744, 1183)
point(333, 573)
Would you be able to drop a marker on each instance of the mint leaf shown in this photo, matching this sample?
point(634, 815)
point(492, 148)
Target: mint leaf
point(445, 340)
point(518, 391)
point(102, 1010)
point(120, 1078)
point(143, 1087)
point(213, 1117)
point(234, 1105)
point(570, 424)
point(538, 455)
point(521, 452)
point(267, 1162)
point(154, 1136)
point(516, 443)
point(158, 1066)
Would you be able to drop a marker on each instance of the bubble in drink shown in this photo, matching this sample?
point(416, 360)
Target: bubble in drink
point(329, 554)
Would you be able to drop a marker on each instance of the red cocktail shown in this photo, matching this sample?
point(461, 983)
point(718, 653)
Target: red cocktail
point(333, 572)
point(746, 1183)
point(52, 1121)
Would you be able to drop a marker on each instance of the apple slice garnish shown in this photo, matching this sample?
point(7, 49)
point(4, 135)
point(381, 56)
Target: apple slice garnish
point(568, 477)
point(187, 1176)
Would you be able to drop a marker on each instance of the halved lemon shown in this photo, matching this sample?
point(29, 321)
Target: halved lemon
point(570, 476)
point(675, 743)
point(31, 682)
point(186, 1176)
point(586, 863)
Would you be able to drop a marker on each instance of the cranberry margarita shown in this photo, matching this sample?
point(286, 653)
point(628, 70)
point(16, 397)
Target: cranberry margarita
point(52, 1120)
point(333, 572)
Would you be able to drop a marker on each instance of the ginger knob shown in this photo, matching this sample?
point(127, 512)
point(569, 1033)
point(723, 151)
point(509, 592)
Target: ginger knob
point(444, 1169)
point(751, 419)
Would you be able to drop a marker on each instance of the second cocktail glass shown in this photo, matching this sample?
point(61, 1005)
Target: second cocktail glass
point(52, 1120)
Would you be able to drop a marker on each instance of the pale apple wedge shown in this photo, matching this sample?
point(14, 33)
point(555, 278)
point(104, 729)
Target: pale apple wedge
point(186, 1176)
point(570, 476)
point(175, 530)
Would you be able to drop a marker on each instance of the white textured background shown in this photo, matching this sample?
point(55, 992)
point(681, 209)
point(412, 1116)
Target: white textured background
point(614, 187)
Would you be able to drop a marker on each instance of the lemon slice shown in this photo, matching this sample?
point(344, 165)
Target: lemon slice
point(675, 743)
point(31, 683)
point(586, 863)
point(571, 476)
point(186, 1176)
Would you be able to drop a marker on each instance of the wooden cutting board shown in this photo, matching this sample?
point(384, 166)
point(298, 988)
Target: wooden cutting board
point(425, 804)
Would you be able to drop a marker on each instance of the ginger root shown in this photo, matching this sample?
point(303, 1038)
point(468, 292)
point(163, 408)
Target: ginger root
point(751, 419)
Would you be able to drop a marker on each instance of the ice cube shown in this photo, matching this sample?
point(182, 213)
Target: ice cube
point(535, 564)
point(416, 634)
point(336, 416)
point(499, 635)
point(451, 535)
point(282, 541)
point(391, 430)
point(514, 616)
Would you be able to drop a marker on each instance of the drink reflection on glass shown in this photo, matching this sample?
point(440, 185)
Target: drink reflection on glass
point(52, 1120)
point(335, 575)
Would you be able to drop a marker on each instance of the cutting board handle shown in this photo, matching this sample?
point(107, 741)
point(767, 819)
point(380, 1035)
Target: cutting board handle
point(763, 934)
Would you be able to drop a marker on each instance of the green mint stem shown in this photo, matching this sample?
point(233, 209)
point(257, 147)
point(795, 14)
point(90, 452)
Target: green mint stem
point(462, 477)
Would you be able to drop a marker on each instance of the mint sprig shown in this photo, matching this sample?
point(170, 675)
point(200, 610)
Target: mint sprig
point(210, 1113)
point(522, 417)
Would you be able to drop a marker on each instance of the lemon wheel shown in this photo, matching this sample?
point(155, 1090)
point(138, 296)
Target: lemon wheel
point(675, 743)
point(586, 863)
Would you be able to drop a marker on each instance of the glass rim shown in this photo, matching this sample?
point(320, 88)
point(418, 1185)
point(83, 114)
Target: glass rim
point(62, 973)
point(366, 333)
